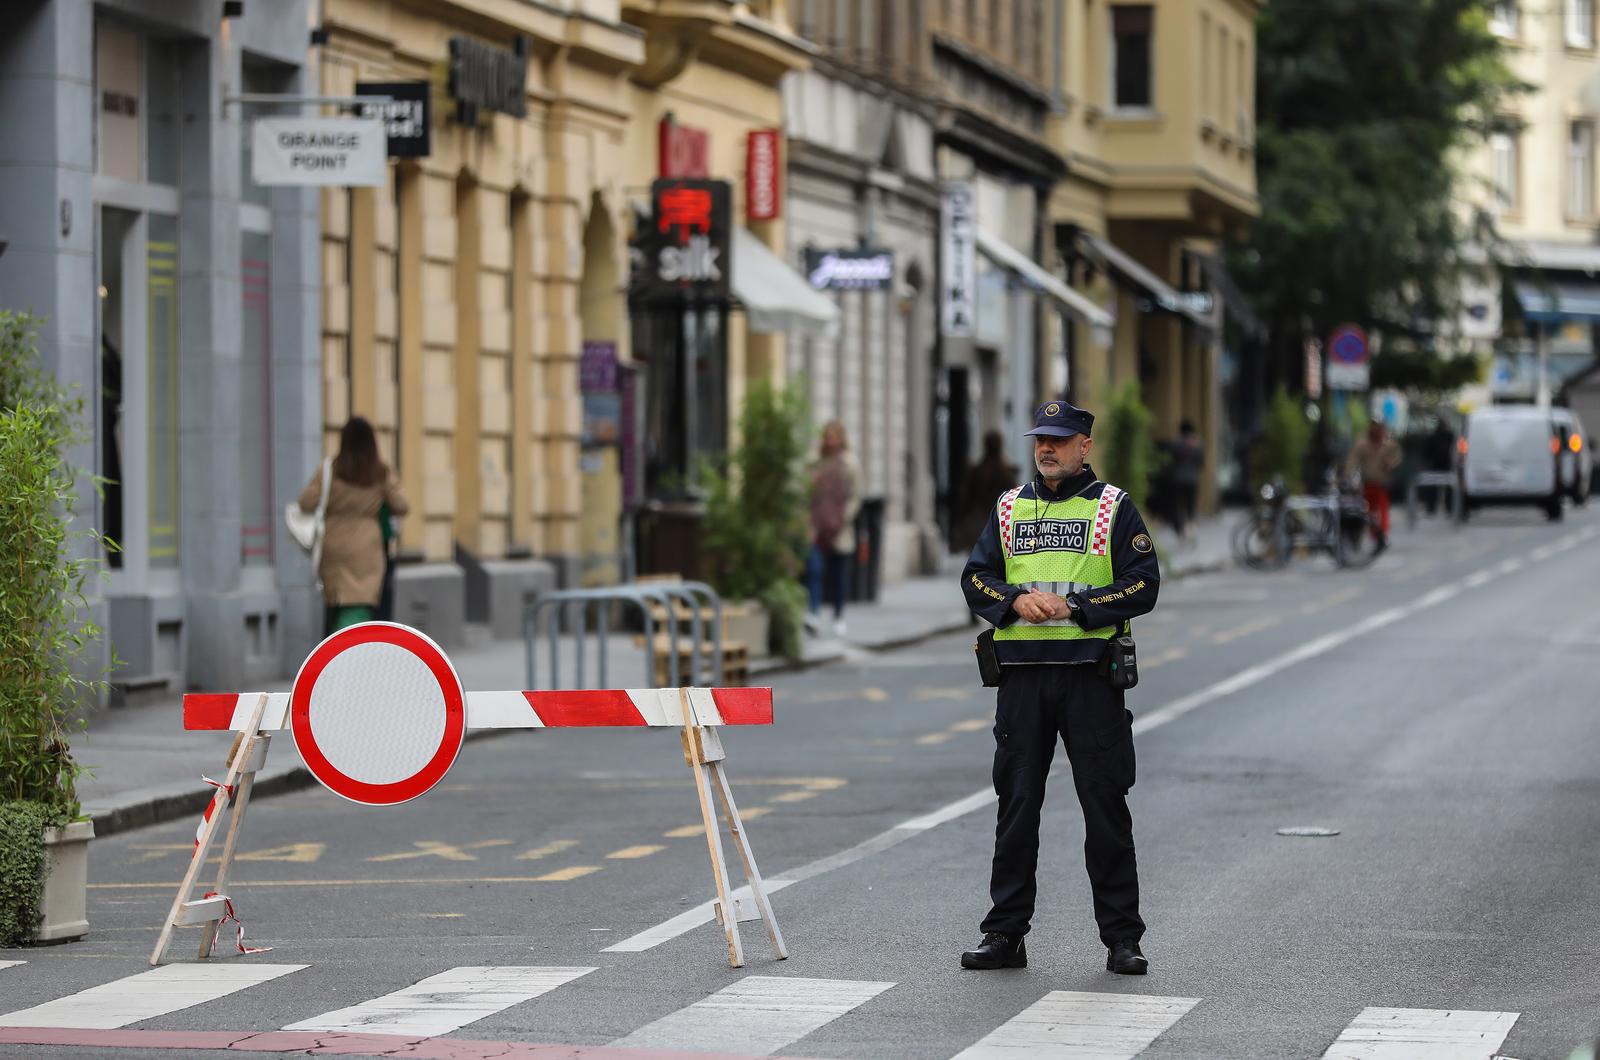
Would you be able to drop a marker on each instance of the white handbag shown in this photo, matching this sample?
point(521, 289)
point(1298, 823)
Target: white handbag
point(307, 527)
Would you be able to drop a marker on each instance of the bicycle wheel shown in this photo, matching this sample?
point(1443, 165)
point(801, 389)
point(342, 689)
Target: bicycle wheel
point(1259, 543)
point(1360, 540)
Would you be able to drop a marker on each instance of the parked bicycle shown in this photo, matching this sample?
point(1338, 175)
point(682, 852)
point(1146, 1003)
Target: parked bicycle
point(1336, 521)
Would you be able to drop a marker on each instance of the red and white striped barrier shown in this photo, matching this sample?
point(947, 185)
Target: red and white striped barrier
point(656, 707)
point(378, 715)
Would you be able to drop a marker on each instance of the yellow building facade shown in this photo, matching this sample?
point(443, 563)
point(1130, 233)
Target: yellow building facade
point(458, 299)
point(1157, 127)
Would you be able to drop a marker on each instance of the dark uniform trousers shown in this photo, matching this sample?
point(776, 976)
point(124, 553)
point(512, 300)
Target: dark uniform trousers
point(1037, 704)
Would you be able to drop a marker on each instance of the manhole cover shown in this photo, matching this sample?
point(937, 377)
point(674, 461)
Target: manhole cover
point(1308, 830)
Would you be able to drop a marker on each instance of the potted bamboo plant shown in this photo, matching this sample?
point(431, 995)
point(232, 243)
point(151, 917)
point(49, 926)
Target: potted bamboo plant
point(44, 642)
point(756, 513)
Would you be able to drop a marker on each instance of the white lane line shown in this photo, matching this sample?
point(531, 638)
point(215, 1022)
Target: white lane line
point(704, 914)
point(758, 1015)
point(11, 964)
point(1421, 1034)
point(1083, 1026)
point(146, 995)
point(445, 1002)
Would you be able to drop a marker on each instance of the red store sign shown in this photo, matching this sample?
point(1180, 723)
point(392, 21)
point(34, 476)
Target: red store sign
point(684, 151)
point(761, 191)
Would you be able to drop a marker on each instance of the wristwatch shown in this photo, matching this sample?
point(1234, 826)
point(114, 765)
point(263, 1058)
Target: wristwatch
point(1074, 608)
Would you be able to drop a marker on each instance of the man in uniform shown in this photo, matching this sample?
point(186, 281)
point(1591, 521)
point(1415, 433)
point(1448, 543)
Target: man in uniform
point(1064, 563)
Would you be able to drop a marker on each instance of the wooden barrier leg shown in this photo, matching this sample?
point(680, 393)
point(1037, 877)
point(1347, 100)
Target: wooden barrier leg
point(758, 889)
point(694, 754)
point(207, 833)
point(254, 755)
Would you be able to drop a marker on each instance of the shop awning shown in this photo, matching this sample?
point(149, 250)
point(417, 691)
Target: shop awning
point(775, 297)
point(1029, 271)
point(1233, 300)
point(1554, 303)
point(1161, 293)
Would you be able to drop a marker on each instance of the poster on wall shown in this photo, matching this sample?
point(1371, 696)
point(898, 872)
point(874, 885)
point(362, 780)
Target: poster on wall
point(958, 277)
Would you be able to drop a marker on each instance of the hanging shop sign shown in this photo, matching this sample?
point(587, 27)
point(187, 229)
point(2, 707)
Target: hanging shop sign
point(762, 175)
point(483, 77)
point(685, 247)
point(325, 152)
point(958, 280)
point(406, 116)
point(683, 150)
point(857, 269)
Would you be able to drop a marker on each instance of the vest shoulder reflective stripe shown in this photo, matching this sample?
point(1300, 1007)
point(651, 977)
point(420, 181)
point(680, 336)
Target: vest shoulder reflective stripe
point(1058, 544)
point(1003, 509)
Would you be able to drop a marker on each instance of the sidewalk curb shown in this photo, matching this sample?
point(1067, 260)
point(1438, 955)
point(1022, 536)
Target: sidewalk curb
point(152, 807)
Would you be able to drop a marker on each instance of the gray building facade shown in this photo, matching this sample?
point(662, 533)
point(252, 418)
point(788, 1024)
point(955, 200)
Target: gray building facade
point(183, 302)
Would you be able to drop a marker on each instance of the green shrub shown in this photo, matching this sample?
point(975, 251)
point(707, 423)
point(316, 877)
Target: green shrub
point(758, 510)
point(1125, 452)
point(22, 860)
point(43, 636)
point(1281, 451)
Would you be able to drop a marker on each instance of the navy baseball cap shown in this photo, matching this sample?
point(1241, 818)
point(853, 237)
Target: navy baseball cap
point(1061, 420)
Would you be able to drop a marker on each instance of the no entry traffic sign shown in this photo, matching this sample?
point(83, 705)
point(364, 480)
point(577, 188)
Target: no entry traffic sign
point(378, 713)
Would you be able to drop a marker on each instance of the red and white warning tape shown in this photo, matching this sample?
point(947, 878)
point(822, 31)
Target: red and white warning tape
point(229, 914)
point(221, 798)
point(658, 707)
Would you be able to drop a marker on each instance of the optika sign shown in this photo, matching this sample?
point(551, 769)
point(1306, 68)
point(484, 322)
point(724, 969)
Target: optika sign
point(339, 152)
point(850, 270)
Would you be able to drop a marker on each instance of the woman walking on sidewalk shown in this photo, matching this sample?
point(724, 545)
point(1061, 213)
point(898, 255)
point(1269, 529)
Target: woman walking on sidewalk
point(835, 499)
point(352, 544)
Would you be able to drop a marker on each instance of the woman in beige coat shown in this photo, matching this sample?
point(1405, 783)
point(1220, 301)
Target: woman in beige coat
point(352, 544)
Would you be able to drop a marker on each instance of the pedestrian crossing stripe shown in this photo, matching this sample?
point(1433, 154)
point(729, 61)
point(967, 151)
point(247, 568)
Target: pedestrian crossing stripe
point(1422, 1034)
point(1079, 1024)
point(9, 964)
point(445, 1002)
point(757, 1015)
point(146, 995)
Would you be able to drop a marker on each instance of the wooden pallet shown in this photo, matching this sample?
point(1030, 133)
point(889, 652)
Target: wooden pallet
point(735, 660)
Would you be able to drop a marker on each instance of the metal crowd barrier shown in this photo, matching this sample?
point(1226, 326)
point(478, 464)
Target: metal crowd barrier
point(1441, 480)
point(563, 603)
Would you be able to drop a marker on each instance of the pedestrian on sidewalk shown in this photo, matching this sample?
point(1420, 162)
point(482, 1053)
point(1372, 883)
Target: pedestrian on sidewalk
point(1186, 458)
point(990, 476)
point(1063, 565)
point(353, 551)
point(1374, 457)
point(835, 500)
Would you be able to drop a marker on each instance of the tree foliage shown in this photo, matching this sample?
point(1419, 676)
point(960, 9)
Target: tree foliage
point(1363, 107)
point(1125, 452)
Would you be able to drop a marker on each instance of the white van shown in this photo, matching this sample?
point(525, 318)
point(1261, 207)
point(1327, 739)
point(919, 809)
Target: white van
point(1522, 454)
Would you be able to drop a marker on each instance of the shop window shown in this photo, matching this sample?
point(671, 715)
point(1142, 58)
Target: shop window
point(686, 403)
point(161, 267)
point(1505, 152)
point(1580, 170)
point(1580, 24)
point(119, 99)
point(163, 71)
point(1504, 18)
point(1132, 33)
point(255, 401)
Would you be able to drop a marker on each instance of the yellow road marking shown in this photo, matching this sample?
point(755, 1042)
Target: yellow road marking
point(794, 796)
point(874, 695)
point(1170, 655)
point(689, 830)
point(1245, 630)
point(643, 850)
point(972, 725)
point(432, 848)
point(555, 847)
point(303, 853)
point(926, 694)
point(563, 875)
point(1343, 596)
point(933, 738)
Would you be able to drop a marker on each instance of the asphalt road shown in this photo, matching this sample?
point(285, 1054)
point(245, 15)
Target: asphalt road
point(1437, 710)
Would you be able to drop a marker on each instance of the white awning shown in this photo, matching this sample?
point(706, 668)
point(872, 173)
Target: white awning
point(1162, 293)
point(1032, 273)
point(775, 297)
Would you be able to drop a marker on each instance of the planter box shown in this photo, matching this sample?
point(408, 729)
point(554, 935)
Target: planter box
point(64, 908)
point(746, 621)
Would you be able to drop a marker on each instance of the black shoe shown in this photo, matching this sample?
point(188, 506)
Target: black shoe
point(997, 950)
point(1124, 958)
